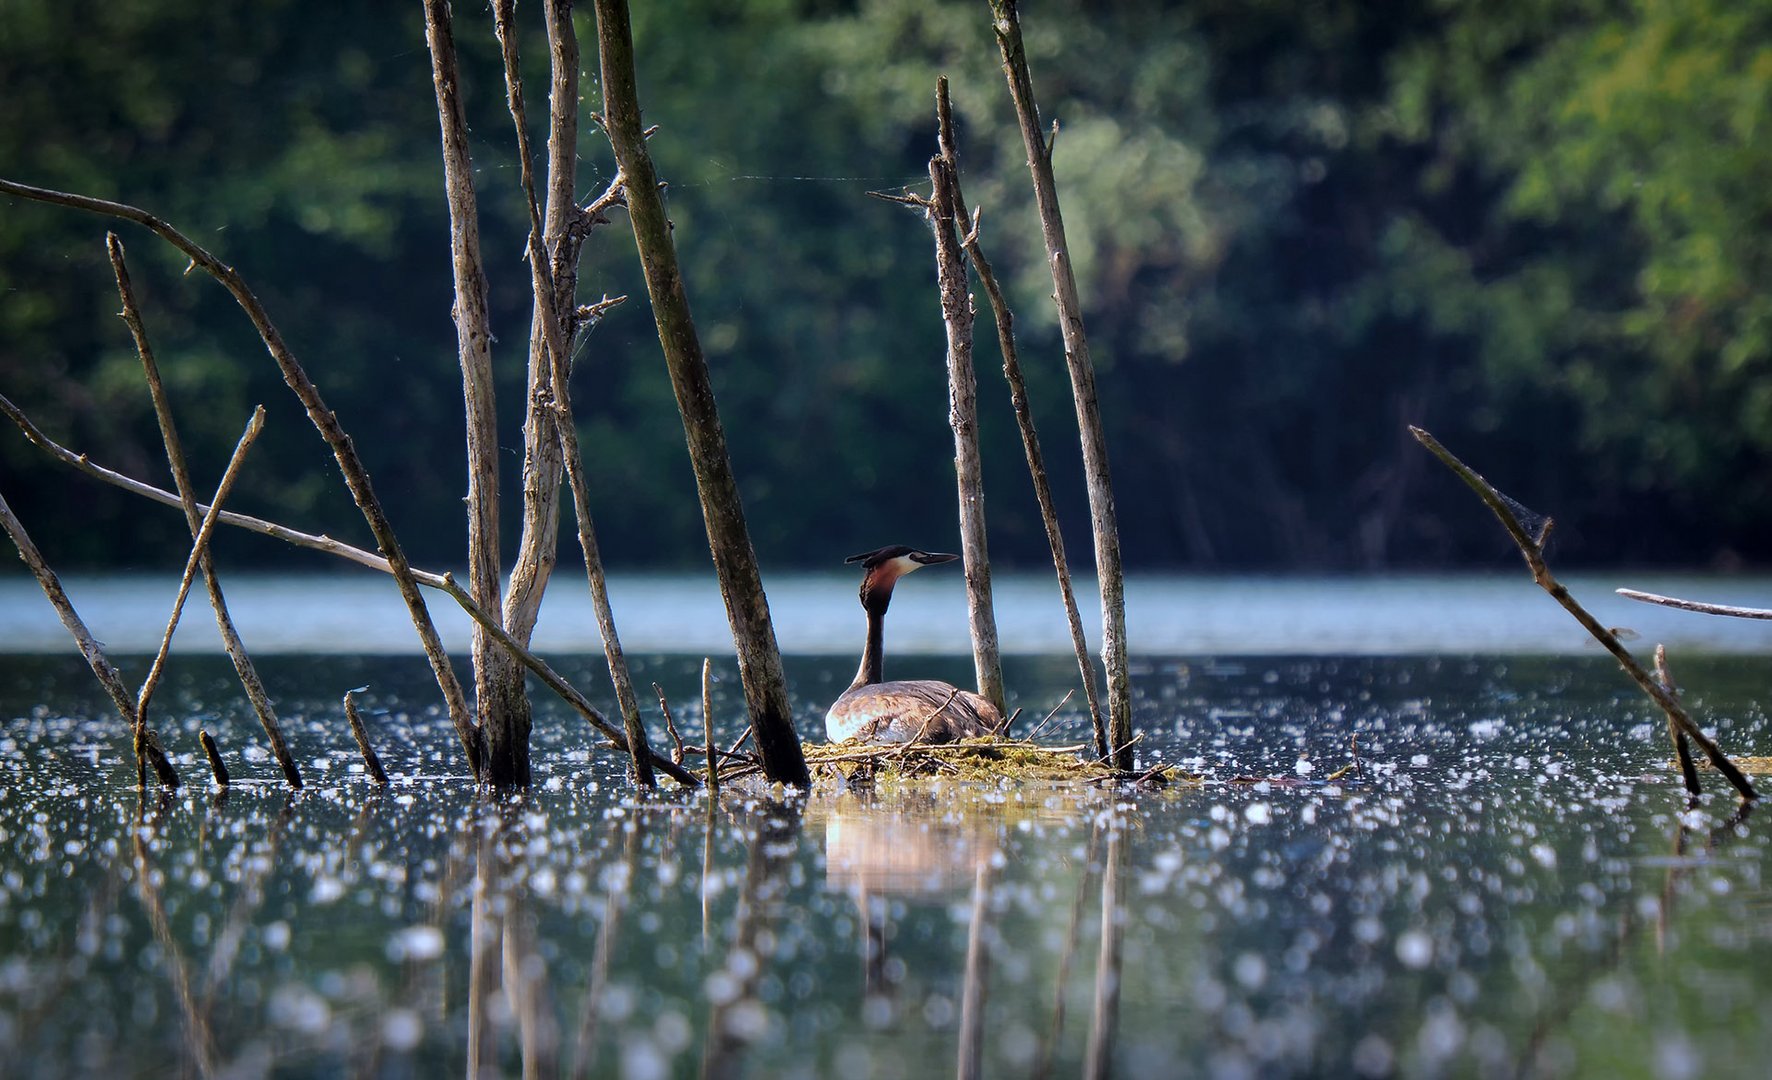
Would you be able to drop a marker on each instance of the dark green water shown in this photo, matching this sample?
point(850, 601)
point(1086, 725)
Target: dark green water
point(1510, 884)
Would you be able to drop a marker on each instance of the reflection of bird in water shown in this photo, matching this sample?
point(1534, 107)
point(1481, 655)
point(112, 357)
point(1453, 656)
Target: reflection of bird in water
point(904, 849)
point(911, 710)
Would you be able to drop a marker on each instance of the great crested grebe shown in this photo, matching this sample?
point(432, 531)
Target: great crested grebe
point(910, 710)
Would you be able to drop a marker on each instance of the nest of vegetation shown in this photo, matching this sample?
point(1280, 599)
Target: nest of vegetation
point(986, 757)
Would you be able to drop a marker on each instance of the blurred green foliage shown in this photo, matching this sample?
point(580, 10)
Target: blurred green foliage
point(1539, 229)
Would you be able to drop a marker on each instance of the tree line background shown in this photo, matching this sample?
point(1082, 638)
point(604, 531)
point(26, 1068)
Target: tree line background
point(1543, 230)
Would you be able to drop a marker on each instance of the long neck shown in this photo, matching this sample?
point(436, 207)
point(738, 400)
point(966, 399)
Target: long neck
point(874, 653)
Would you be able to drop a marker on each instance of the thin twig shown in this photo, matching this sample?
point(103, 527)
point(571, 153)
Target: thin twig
point(1696, 605)
point(707, 727)
point(1030, 442)
point(371, 762)
point(1532, 548)
point(664, 706)
point(187, 490)
point(199, 547)
point(1041, 726)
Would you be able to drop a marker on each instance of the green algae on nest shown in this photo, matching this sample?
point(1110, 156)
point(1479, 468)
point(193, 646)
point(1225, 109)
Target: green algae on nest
point(986, 757)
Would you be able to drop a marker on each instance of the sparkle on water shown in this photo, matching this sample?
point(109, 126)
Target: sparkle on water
point(1509, 883)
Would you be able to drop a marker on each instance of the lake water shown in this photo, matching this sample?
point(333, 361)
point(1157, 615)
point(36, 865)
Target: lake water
point(1509, 883)
point(817, 614)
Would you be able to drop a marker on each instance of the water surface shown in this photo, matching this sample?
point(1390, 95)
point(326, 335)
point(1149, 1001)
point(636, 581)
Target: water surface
point(1507, 884)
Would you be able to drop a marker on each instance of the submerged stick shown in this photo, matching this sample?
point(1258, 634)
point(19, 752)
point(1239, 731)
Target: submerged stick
point(194, 520)
point(1532, 548)
point(324, 420)
point(729, 541)
point(1682, 747)
point(1007, 23)
point(956, 317)
point(371, 762)
point(147, 745)
point(216, 765)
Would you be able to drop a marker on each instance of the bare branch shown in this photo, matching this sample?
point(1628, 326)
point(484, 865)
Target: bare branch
point(147, 747)
point(1531, 547)
point(1698, 606)
point(324, 420)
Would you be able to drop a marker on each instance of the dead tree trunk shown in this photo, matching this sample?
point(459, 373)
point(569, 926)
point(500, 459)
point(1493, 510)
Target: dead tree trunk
point(501, 704)
point(537, 549)
point(956, 315)
point(735, 561)
point(1082, 372)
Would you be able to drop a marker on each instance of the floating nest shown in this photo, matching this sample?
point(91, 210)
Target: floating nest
point(986, 757)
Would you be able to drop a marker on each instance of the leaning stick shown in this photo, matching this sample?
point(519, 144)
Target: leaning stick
point(199, 548)
point(324, 420)
point(442, 582)
point(371, 762)
point(1082, 372)
point(1532, 547)
point(547, 306)
point(729, 540)
point(1030, 442)
point(181, 477)
point(147, 746)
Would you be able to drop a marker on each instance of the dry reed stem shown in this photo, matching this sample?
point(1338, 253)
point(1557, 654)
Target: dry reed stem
point(1532, 548)
point(1682, 746)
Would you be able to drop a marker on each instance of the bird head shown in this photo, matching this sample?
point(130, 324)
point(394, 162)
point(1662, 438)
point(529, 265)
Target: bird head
point(881, 570)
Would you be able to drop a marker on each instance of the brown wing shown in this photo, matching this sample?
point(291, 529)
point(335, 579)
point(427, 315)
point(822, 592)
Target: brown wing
point(914, 710)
